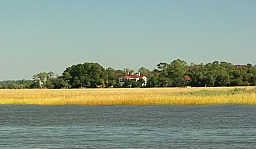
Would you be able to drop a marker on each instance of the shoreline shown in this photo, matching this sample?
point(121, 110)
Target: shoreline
point(131, 96)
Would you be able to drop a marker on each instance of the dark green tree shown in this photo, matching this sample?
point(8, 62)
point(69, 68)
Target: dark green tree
point(176, 71)
point(85, 75)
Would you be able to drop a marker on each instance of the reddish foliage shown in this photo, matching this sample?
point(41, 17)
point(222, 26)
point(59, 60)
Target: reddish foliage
point(186, 77)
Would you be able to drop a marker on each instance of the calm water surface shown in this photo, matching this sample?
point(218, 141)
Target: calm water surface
point(151, 126)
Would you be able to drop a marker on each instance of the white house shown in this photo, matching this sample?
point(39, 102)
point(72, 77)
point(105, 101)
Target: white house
point(135, 77)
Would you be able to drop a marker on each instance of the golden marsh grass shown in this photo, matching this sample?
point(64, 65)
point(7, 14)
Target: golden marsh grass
point(130, 96)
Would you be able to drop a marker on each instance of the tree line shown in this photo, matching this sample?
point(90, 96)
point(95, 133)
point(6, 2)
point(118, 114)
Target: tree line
point(175, 74)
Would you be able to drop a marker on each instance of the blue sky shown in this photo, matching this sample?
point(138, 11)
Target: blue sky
point(51, 35)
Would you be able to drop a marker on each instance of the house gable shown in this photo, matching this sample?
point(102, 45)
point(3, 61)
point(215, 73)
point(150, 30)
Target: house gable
point(135, 77)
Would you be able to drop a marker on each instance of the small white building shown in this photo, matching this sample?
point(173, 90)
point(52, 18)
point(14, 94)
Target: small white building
point(135, 77)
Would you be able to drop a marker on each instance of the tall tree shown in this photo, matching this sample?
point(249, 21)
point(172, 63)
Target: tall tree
point(176, 71)
point(43, 80)
point(85, 75)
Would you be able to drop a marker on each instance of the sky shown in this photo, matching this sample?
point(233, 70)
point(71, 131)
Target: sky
point(51, 35)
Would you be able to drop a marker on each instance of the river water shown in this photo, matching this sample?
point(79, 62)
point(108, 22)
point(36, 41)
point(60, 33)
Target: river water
point(119, 126)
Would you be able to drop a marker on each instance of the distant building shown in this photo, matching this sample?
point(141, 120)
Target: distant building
point(134, 77)
point(239, 67)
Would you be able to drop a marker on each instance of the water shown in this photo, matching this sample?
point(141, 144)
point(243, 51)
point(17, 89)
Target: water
point(151, 126)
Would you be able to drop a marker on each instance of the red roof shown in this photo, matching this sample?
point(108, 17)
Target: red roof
point(131, 76)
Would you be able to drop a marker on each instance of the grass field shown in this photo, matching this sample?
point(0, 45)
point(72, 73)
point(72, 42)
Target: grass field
point(131, 96)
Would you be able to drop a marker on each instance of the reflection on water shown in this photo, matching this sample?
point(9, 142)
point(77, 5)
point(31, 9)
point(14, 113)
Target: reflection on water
point(151, 126)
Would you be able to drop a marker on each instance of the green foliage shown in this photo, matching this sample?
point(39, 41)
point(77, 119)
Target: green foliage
point(153, 82)
point(44, 80)
point(215, 93)
point(86, 75)
point(133, 84)
point(210, 74)
point(19, 84)
point(91, 75)
point(113, 76)
point(176, 71)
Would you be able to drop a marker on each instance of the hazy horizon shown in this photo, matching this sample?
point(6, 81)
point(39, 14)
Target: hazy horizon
point(45, 35)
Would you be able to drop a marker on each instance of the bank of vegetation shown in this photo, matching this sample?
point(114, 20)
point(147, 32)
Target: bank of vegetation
point(175, 74)
point(131, 96)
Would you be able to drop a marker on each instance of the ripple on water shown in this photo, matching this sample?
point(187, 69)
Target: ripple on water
point(155, 126)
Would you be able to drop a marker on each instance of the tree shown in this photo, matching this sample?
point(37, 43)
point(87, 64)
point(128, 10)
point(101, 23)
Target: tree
point(162, 75)
point(197, 75)
point(85, 75)
point(152, 82)
point(166, 75)
point(144, 71)
point(176, 71)
point(128, 83)
point(187, 80)
point(43, 79)
point(141, 83)
point(66, 77)
point(59, 83)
